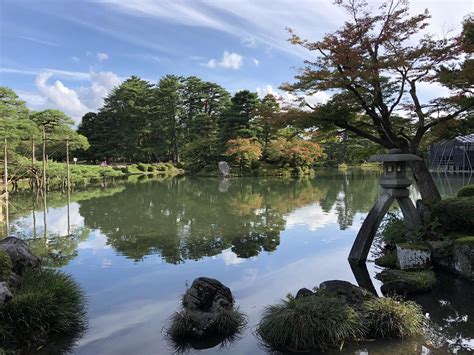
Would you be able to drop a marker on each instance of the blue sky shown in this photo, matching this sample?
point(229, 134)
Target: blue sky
point(69, 54)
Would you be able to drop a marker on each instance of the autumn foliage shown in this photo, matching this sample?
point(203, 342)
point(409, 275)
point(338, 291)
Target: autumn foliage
point(244, 150)
point(294, 152)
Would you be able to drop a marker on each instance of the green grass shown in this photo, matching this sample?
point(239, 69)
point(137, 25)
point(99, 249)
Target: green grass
point(313, 323)
point(6, 266)
point(390, 318)
point(225, 328)
point(48, 304)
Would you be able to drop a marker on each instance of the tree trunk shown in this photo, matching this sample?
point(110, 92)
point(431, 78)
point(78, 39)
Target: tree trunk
point(426, 185)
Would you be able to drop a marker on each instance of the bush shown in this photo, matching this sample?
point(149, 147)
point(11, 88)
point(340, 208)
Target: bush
point(142, 167)
point(48, 305)
point(466, 191)
point(6, 266)
point(151, 168)
point(312, 323)
point(455, 214)
point(389, 260)
point(125, 170)
point(394, 230)
point(389, 318)
point(161, 167)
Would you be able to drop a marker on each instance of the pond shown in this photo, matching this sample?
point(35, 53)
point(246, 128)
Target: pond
point(135, 246)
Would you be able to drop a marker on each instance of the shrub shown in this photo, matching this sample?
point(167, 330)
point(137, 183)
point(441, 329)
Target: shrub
point(161, 167)
point(48, 305)
point(466, 191)
point(151, 168)
point(389, 318)
point(389, 260)
point(394, 230)
point(125, 170)
point(312, 323)
point(142, 167)
point(6, 266)
point(455, 214)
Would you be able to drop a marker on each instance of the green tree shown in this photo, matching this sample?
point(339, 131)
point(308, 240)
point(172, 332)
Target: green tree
point(373, 62)
point(268, 119)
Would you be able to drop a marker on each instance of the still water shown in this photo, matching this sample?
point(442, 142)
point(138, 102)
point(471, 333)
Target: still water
point(135, 246)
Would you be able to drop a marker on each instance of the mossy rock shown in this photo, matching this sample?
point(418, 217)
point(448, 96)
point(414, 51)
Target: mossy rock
point(466, 191)
point(406, 282)
point(414, 246)
point(465, 241)
point(6, 266)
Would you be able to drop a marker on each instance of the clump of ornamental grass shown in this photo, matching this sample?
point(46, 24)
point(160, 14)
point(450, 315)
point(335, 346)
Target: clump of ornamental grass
point(313, 323)
point(6, 266)
point(48, 305)
point(225, 328)
point(391, 318)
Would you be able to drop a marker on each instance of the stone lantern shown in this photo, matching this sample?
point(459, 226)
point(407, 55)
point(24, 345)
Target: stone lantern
point(394, 185)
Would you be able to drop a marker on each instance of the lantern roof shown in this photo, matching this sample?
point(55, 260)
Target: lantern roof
point(394, 155)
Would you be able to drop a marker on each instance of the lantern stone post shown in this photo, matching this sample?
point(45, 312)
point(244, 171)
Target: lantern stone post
point(394, 186)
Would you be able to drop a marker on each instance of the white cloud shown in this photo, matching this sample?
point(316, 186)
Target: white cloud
point(75, 59)
point(75, 102)
point(228, 61)
point(256, 61)
point(101, 56)
point(61, 96)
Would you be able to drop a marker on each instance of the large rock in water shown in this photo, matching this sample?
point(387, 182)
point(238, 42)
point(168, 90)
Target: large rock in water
point(20, 253)
point(204, 303)
point(412, 256)
point(353, 295)
point(207, 295)
point(463, 257)
point(5, 293)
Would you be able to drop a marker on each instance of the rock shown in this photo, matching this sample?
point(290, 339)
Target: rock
point(208, 311)
point(463, 257)
point(354, 295)
point(14, 280)
point(5, 293)
point(207, 295)
point(20, 254)
point(406, 282)
point(303, 292)
point(441, 254)
point(413, 256)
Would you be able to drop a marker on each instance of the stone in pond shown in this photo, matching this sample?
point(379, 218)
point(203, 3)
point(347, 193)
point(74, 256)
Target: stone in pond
point(413, 256)
point(207, 295)
point(20, 253)
point(353, 295)
point(463, 257)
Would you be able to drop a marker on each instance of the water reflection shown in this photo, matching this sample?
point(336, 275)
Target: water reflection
point(135, 246)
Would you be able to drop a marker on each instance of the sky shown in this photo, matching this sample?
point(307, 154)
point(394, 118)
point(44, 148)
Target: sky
point(69, 54)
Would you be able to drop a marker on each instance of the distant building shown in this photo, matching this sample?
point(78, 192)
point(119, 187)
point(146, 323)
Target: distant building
point(456, 154)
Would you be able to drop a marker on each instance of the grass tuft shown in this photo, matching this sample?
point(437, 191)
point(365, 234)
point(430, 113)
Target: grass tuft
point(312, 323)
point(49, 304)
point(390, 318)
